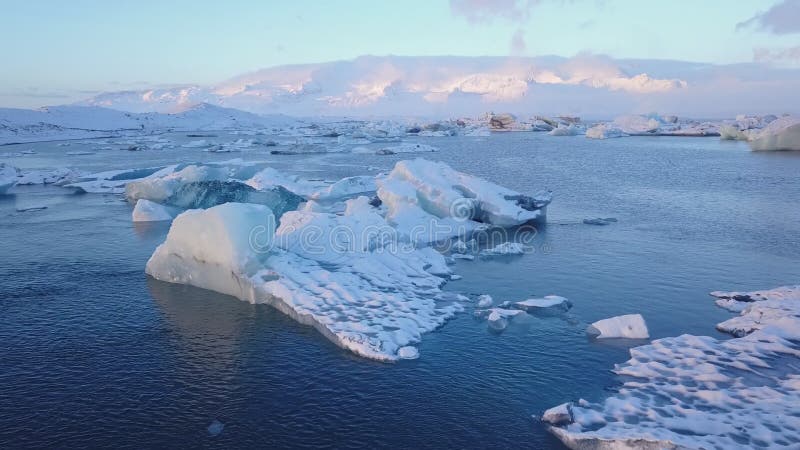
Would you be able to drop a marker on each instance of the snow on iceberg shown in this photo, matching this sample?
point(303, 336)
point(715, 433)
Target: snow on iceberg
point(698, 392)
point(780, 134)
point(439, 190)
point(631, 326)
point(374, 301)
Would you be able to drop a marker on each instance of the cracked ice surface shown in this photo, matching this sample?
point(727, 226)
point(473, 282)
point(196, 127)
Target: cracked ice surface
point(701, 392)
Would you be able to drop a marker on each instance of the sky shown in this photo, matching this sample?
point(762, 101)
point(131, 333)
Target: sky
point(63, 50)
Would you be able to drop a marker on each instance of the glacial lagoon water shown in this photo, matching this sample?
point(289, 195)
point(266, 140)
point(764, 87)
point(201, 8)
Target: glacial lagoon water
point(95, 354)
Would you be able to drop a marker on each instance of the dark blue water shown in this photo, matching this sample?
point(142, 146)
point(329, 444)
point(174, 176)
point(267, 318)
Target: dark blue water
point(95, 354)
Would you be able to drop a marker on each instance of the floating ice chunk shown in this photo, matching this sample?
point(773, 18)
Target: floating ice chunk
point(201, 143)
point(147, 211)
point(372, 302)
point(216, 248)
point(57, 176)
point(604, 131)
point(558, 415)
point(780, 134)
point(700, 392)
point(599, 221)
point(463, 256)
point(758, 308)
point(408, 352)
point(565, 130)
point(499, 318)
point(407, 147)
point(8, 177)
point(158, 187)
point(346, 188)
point(504, 249)
point(548, 304)
point(437, 189)
point(737, 301)
point(485, 301)
point(631, 326)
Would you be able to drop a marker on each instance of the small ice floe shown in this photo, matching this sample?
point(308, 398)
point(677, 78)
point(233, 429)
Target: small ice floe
point(499, 317)
point(80, 153)
point(463, 256)
point(8, 177)
point(630, 326)
point(408, 352)
point(200, 143)
point(599, 221)
point(406, 147)
point(215, 428)
point(485, 301)
point(549, 304)
point(56, 176)
point(147, 211)
point(455, 277)
point(693, 392)
point(506, 248)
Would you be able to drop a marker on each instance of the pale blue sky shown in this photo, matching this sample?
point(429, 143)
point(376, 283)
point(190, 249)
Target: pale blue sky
point(52, 48)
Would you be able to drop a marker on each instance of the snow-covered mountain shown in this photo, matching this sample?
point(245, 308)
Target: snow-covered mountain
point(588, 85)
point(75, 121)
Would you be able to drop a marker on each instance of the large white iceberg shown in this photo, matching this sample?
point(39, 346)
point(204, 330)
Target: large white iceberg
point(372, 299)
point(780, 134)
point(699, 392)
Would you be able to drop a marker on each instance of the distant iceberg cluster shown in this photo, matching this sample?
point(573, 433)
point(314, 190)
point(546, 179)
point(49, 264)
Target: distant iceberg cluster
point(701, 392)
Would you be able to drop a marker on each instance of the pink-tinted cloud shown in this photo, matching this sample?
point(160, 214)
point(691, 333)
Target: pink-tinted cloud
point(480, 11)
point(783, 18)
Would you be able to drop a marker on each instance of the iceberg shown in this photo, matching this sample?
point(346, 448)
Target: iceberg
point(440, 191)
point(699, 392)
point(372, 299)
point(8, 177)
point(160, 185)
point(630, 326)
point(205, 194)
point(780, 134)
point(269, 177)
point(565, 130)
point(485, 301)
point(499, 318)
point(147, 211)
point(346, 188)
point(549, 304)
point(604, 131)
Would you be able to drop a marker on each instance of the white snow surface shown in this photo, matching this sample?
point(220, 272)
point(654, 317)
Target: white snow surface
point(631, 326)
point(780, 134)
point(694, 392)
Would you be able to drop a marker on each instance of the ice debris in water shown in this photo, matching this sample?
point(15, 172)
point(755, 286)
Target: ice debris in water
point(484, 301)
point(506, 248)
point(498, 318)
point(630, 326)
point(549, 304)
point(698, 392)
point(600, 221)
